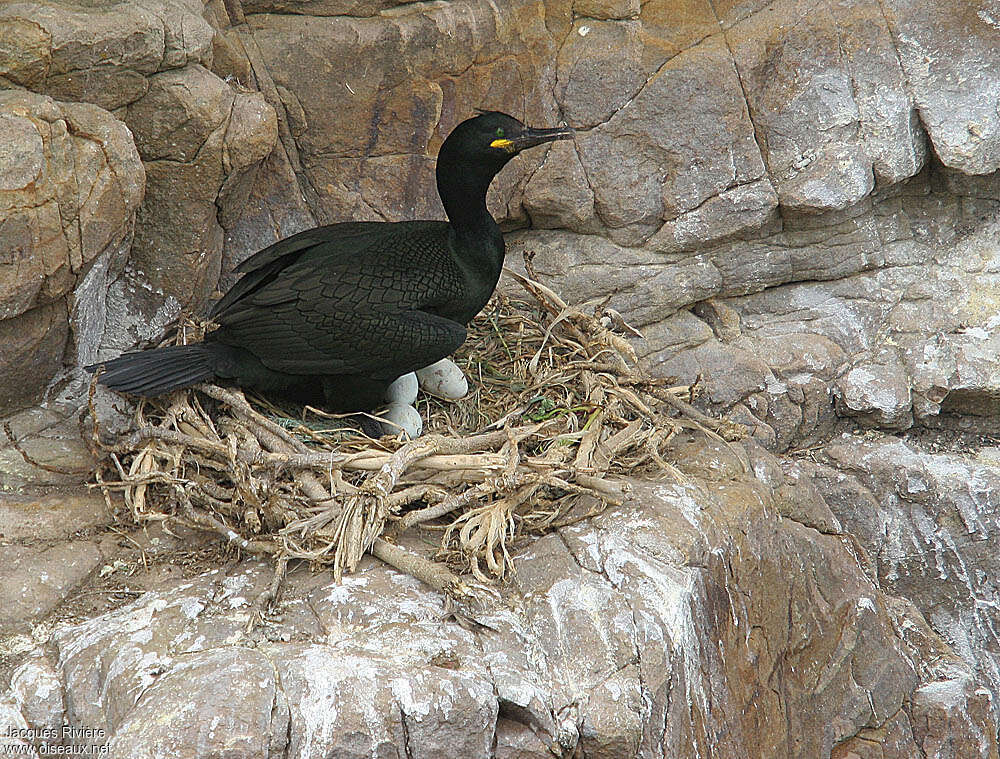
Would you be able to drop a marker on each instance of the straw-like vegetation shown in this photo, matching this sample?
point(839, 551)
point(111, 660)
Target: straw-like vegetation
point(559, 415)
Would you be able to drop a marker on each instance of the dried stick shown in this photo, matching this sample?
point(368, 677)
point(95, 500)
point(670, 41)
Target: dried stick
point(613, 492)
point(448, 505)
point(208, 522)
point(730, 430)
point(173, 437)
point(503, 483)
point(238, 403)
point(363, 515)
point(430, 572)
point(266, 600)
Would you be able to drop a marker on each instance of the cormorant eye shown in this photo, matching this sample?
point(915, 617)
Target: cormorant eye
point(502, 143)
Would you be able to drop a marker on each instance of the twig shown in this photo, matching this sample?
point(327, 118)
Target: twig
point(206, 521)
point(423, 492)
point(269, 597)
point(173, 437)
point(364, 513)
point(430, 572)
point(448, 505)
point(738, 431)
point(239, 404)
point(462, 500)
point(614, 492)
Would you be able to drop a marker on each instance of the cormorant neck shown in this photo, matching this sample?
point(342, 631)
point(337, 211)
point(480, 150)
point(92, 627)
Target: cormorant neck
point(463, 194)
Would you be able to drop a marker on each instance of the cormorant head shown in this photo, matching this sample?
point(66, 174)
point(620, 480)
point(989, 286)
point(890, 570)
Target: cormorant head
point(473, 154)
point(492, 138)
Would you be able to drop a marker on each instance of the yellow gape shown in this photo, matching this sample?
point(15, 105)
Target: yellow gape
point(503, 144)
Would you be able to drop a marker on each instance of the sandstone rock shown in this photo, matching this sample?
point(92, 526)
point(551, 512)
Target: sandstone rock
point(166, 722)
point(558, 194)
point(676, 26)
point(795, 402)
point(743, 614)
point(903, 319)
point(642, 174)
point(889, 128)
point(941, 707)
point(178, 244)
point(358, 8)
point(877, 393)
point(954, 375)
point(55, 514)
point(178, 113)
point(131, 662)
point(645, 286)
point(36, 579)
point(44, 447)
point(91, 310)
point(607, 8)
point(251, 135)
point(677, 332)
point(617, 47)
point(742, 210)
point(201, 142)
point(100, 53)
point(37, 691)
point(34, 344)
point(274, 209)
point(945, 328)
point(11, 721)
point(72, 183)
point(601, 68)
point(425, 72)
point(950, 55)
point(929, 521)
point(827, 98)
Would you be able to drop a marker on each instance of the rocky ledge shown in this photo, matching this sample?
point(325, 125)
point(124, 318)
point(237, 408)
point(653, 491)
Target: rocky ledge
point(728, 614)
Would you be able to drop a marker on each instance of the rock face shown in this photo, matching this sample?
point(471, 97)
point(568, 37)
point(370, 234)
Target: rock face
point(99, 52)
point(930, 522)
point(70, 185)
point(129, 66)
point(796, 204)
point(201, 143)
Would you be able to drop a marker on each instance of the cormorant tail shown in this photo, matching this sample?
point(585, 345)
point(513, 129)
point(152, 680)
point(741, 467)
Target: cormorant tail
point(157, 371)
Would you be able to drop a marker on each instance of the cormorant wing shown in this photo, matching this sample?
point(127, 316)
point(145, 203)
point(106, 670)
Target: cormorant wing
point(264, 265)
point(348, 299)
point(378, 343)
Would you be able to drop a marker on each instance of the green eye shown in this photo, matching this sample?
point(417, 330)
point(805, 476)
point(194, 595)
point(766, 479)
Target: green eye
point(500, 132)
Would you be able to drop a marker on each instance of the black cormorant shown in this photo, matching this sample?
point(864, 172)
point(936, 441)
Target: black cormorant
point(333, 315)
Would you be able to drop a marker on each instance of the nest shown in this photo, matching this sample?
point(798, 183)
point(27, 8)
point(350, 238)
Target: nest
point(559, 417)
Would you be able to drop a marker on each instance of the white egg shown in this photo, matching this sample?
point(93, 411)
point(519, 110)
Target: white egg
point(444, 379)
point(403, 390)
point(402, 418)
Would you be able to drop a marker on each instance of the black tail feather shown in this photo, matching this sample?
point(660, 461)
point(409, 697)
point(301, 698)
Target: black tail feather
point(157, 371)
